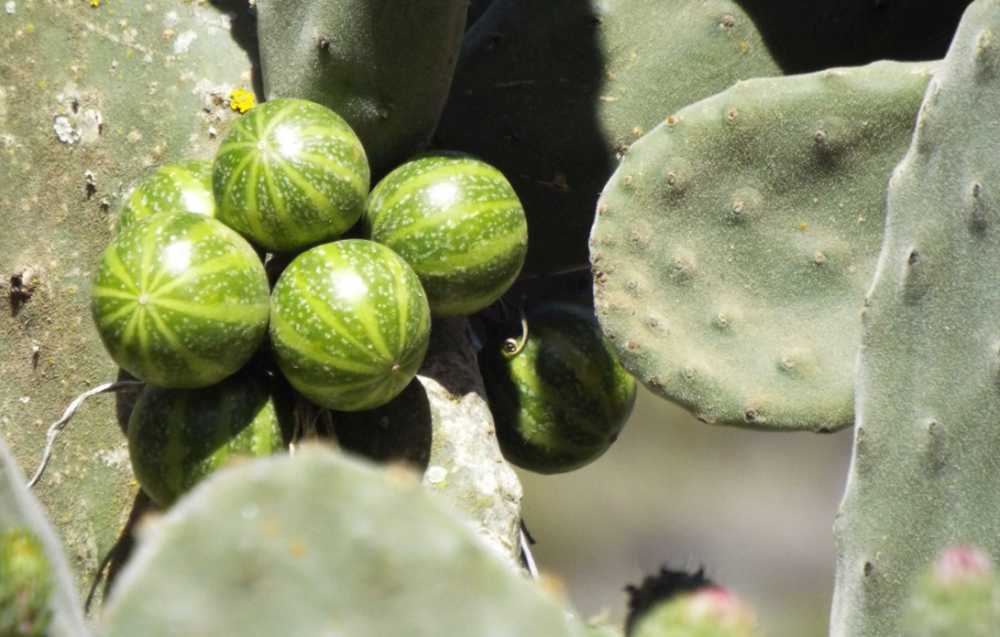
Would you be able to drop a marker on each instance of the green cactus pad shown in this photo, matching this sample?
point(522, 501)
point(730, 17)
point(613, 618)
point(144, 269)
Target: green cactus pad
point(290, 174)
point(350, 324)
point(563, 398)
point(924, 471)
point(552, 92)
point(733, 246)
point(386, 67)
point(37, 592)
point(182, 187)
point(319, 544)
point(709, 612)
point(959, 596)
point(458, 223)
point(180, 300)
point(178, 436)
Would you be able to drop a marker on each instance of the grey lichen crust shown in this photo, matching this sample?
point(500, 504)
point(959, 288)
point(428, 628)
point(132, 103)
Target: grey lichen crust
point(442, 426)
point(19, 510)
point(357, 551)
point(90, 98)
point(734, 243)
point(924, 474)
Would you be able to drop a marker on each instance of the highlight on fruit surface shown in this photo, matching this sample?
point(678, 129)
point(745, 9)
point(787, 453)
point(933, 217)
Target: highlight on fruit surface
point(459, 224)
point(185, 186)
point(180, 300)
point(350, 324)
point(558, 394)
point(178, 436)
point(290, 174)
point(25, 585)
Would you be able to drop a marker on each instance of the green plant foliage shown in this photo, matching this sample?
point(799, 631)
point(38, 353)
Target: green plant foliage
point(320, 544)
point(384, 65)
point(734, 244)
point(708, 612)
point(924, 475)
point(290, 174)
point(458, 223)
point(180, 300)
point(37, 593)
point(958, 596)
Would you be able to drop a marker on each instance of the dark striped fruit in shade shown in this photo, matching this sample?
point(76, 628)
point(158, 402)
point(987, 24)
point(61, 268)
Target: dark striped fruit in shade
point(457, 221)
point(176, 437)
point(180, 300)
point(350, 324)
point(290, 174)
point(182, 187)
point(560, 401)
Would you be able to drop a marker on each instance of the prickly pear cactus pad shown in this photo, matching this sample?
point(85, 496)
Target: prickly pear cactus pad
point(959, 595)
point(552, 92)
point(185, 186)
point(178, 436)
point(180, 300)
point(733, 245)
point(290, 174)
point(91, 98)
point(924, 472)
point(356, 552)
point(384, 65)
point(37, 592)
point(350, 324)
point(457, 222)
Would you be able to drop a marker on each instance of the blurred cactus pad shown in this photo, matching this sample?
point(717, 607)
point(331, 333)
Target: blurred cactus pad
point(356, 551)
point(738, 296)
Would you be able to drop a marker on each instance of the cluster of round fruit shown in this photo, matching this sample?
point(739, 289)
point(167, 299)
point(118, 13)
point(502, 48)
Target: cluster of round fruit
point(182, 301)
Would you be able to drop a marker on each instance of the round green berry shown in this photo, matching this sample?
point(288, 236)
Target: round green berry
point(458, 222)
point(182, 187)
point(290, 174)
point(350, 324)
point(180, 300)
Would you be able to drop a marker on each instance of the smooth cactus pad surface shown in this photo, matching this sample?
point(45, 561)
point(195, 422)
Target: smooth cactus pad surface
point(290, 174)
point(350, 325)
point(734, 243)
point(458, 223)
point(924, 474)
point(180, 300)
point(319, 544)
point(185, 186)
point(178, 436)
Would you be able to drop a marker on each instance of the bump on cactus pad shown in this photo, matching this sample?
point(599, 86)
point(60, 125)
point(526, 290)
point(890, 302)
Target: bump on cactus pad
point(734, 243)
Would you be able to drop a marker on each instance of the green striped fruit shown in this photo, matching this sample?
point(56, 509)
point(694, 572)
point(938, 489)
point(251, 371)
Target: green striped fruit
point(180, 300)
point(182, 187)
point(350, 324)
point(25, 585)
point(457, 221)
point(560, 397)
point(176, 437)
point(290, 174)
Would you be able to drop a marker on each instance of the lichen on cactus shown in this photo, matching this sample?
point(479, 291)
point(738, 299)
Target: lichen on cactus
point(923, 475)
point(320, 544)
point(734, 243)
point(37, 593)
point(958, 596)
point(552, 92)
point(383, 65)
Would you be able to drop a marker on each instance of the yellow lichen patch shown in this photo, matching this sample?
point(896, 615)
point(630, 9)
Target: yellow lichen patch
point(242, 100)
point(95, 3)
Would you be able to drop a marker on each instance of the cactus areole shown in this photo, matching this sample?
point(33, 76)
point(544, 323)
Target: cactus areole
point(458, 222)
point(291, 174)
point(180, 300)
point(350, 324)
point(559, 395)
